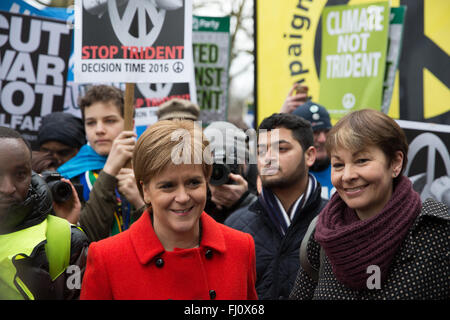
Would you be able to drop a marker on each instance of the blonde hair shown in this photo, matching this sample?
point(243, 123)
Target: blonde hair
point(170, 141)
point(368, 127)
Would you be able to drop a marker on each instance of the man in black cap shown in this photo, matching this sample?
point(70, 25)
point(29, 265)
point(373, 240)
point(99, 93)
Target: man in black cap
point(62, 135)
point(319, 118)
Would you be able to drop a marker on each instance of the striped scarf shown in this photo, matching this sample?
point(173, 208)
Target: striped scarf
point(280, 218)
point(122, 214)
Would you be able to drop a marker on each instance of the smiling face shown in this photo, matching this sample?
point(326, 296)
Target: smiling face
point(103, 123)
point(177, 196)
point(364, 179)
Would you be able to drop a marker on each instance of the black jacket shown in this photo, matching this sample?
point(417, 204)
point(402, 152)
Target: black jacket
point(277, 260)
point(34, 270)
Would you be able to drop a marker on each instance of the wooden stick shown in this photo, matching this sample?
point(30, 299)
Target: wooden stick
point(128, 111)
point(129, 106)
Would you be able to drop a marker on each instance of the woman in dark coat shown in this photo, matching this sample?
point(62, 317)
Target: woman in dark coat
point(375, 239)
point(175, 250)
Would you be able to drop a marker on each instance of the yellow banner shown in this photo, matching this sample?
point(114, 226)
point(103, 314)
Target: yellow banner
point(286, 35)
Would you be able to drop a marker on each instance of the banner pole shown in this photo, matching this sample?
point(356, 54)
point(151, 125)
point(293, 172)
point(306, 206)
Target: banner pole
point(128, 111)
point(129, 106)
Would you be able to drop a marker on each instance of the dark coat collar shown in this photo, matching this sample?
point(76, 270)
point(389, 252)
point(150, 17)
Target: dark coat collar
point(35, 208)
point(147, 245)
point(432, 208)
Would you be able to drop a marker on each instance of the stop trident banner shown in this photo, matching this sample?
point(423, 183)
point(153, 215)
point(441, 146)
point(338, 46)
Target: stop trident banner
point(133, 41)
point(354, 46)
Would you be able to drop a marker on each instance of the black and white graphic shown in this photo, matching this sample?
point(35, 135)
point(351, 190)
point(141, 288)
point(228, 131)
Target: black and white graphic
point(133, 41)
point(428, 159)
point(34, 55)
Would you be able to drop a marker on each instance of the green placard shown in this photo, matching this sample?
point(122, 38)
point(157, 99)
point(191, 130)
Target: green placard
point(354, 45)
point(211, 24)
point(211, 47)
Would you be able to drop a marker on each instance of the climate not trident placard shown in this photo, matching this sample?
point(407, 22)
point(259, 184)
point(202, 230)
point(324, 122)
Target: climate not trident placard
point(354, 45)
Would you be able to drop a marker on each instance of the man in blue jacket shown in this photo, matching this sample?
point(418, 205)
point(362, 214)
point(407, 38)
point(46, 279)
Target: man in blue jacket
point(290, 199)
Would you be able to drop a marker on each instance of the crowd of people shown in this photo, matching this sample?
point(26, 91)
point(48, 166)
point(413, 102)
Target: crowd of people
point(182, 212)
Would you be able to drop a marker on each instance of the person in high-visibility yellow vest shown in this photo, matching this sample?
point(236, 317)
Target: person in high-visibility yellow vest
point(42, 256)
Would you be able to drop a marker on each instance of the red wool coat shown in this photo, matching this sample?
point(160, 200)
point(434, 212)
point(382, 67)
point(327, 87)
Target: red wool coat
point(134, 265)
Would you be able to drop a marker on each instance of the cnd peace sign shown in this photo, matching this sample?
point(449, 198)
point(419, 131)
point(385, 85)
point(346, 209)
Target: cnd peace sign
point(150, 20)
point(155, 90)
point(434, 145)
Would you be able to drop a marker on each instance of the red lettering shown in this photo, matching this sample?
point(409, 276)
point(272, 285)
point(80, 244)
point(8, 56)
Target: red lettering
point(152, 55)
point(113, 51)
point(180, 52)
point(139, 103)
point(170, 52)
point(134, 54)
point(160, 52)
point(125, 52)
point(85, 52)
point(94, 51)
point(103, 52)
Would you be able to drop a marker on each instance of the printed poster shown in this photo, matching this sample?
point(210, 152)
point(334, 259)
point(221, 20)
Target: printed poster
point(397, 19)
point(34, 54)
point(428, 165)
point(354, 46)
point(209, 88)
point(133, 41)
point(211, 46)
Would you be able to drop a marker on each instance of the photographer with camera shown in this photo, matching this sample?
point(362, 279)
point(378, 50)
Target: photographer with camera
point(36, 247)
point(229, 185)
point(45, 164)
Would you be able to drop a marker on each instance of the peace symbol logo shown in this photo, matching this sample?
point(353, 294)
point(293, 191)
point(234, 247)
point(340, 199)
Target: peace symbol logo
point(178, 66)
point(149, 17)
point(348, 101)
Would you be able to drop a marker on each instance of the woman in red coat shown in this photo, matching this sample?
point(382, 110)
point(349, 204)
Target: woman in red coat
point(175, 250)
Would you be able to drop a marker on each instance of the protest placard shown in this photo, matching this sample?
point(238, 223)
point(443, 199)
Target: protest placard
point(397, 18)
point(428, 165)
point(211, 45)
point(133, 41)
point(354, 45)
point(148, 97)
point(34, 54)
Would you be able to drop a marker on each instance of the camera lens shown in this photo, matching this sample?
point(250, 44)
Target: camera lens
point(219, 174)
point(61, 191)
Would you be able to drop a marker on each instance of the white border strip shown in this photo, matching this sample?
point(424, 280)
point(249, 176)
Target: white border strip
point(423, 126)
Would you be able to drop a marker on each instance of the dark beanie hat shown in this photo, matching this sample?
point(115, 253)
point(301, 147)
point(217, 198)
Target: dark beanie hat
point(62, 127)
point(314, 113)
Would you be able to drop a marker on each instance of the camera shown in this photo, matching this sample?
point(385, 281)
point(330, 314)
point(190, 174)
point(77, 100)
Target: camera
point(228, 148)
point(220, 172)
point(61, 191)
